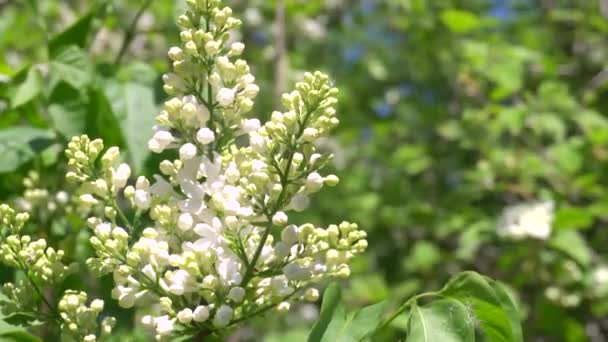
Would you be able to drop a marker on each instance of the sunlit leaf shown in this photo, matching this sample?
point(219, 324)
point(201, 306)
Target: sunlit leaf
point(20, 144)
point(445, 320)
point(28, 89)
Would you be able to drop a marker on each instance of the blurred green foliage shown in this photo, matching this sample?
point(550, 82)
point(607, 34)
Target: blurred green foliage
point(450, 110)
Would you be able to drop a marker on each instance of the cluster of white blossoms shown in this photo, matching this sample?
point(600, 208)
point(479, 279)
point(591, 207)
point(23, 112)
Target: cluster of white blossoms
point(38, 200)
point(43, 266)
point(79, 321)
point(527, 220)
point(208, 241)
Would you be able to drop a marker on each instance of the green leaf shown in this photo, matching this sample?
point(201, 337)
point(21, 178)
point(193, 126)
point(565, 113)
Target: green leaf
point(23, 319)
point(6, 328)
point(474, 291)
point(573, 218)
point(335, 329)
point(445, 320)
point(101, 121)
point(567, 156)
point(18, 336)
point(509, 304)
point(68, 109)
point(28, 89)
point(335, 325)
point(364, 321)
point(72, 66)
point(20, 144)
point(573, 245)
point(133, 105)
point(459, 21)
point(76, 34)
point(331, 301)
point(353, 327)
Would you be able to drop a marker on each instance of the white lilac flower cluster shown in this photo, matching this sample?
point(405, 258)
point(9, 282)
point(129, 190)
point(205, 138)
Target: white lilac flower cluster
point(527, 220)
point(79, 321)
point(38, 200)
point(208, 242)
point(43, 266)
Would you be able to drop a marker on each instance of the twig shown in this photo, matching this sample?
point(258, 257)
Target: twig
point(131, 32)
point(404, 306)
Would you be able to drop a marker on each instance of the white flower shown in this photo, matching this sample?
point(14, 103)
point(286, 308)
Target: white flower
point(283, 307)
point(176, 54)
point(125, 296)
point(205, 136)
point(148, 321)
point(161, 187)
point(280, 286)
point(279, 219)
point(149, 271)
point(200, 115)
point(111, 155)
point(164, 325)
point(212, 47)
point(97, 305)
point(185, 316)
point(181, 282)
point(311, 295)
point(227, 199)
point(121, 176)
point(225, 97)
point(332, 180)
point(142, 199)
point(251, 125)
point(314, 182)
point(195, 201)
point(257, 142)
point(62, 197)
point(232, 173)
point(296, 272)
point(223, 316)
point(88, 199)
point(527, 220)
point(310, 134)
point(201, 313)
point(289, 235)
point(600, 276)
point(299, 202)
point(187, 151)
point(103, 231)
point(251, 91)
point(210, 235)
point(228, 267)
point(160, 141)
point(185, 221)
point(237, 48)
point(236, 294)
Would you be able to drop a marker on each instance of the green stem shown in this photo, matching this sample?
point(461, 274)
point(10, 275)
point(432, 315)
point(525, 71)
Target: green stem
point(251, 267)
point(261, 310)
point(404, 306)
point(284, 183)
point(52, 309)
point(122, 216)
